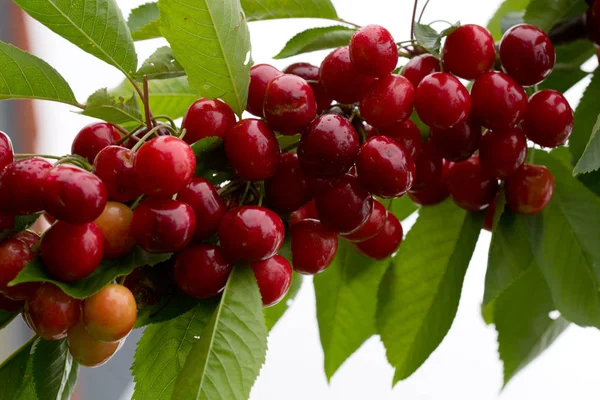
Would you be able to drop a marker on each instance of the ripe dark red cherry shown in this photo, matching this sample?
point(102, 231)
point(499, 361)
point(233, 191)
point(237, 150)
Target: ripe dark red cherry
point(373, 226)
point(260, 76)
point(341, 79)
point(457, 143)
point(9, 305)
point(313, 247)
point(28, 237)
point(502, 152)
point(549, 119)
point(527, 54)
point(289, 105)
point(287, 190)
point(20, 186)
point(388, 100)
point(6, 151)
point(274, 278)
point(309, 211)
point(373, 51)
point(115, 225)
point(207, 118)
point(7, 221)
point(407, 134)
point(429, 167)
point(93, 138)
point(114, 165)
point(110, 314)
point(419, 67)
point(469, 51)
point(592, 21)
point(250, 234)
point(530, 189)
point(430, 195)
point(202, 270)
point(85, 246)
point(208, 207)
point(73, 195)
point(88, 351)
point(329, 147)
point(163, 225)
point(442, 101)
point(50, 312)
point(469, 187)
point(14, 255)
point(163, 166)
point(498, 101)
point(386, 242)
point(311, 73)
point(252, 150)
point(384, 168)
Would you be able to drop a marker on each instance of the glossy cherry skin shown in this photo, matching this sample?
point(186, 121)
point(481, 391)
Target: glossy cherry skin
point(311, 73)
point(469, 51)
point(163, 225)
point(313, 247)
point(14, 255)
point(329, 147)
point(549, 119)
point(250, 234)
point(488, 223)
point(407, 134)
point(115, 225)
point(274, 278)
point(252, 150)
point(110, 314)
point(207, 118)
point(10, 305)
point(287, 190)
point(469, 186)
point(442, 101)
point(208, 207)
point(457, 143)
point(114, 166)
point(85, 246)
point(388, 100)
point(260, 76)
point(20, 186)
point(373, 51)
point(419, 67)
point(373, 226)
point(386, 242)
point(88, 351)
point(202, 270)
point(163, 166)
point(429, 167)
point(289, 105)
point(308, 211)
point(502, 152)
point(93, 138)
point(341, 79)
point(527, 54)
point(51, 313)
point(30, 238)
point(498, 101)
point(530, 189)
point(430, 195)
point(6, 151)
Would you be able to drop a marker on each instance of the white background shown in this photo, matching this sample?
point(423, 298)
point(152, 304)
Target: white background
point(466, 365)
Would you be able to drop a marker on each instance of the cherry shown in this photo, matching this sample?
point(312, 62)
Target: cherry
point(208, 207)
point(498, 101)
point(250, 234)
point(530, 189)
point(202, 270)
point(488, 223)
point(109, 315)
point(20, 186)
point(10, 305)
point(308, 211)
point(527, 54)
point(329, 147)
point(373, 51)
point(163, 166)
point(419, 67)
point(260, 76)
point(430, 195)
point(469, 51)
point(429, 167)
point(373, 226)
point(274, 278)
point(50, 312)
point(442, 101)
point(388, 100)
point(386, 242)
point(115, 225)
point(549, 119)
point(207, 118)
point(469, 187)
point(311, 74)
point(114, 166)
point(287, 190)
point(592, 21)
point(93, 138)
point(457, 143)
point(88, 351)
point(341, 79)
point(28, 237)
point(407, 134)
point(502, 152)
point(290, 104)
point(6, 151)
point(163, 225)
point(14, 255)
point(7, 221)
point(85, 246)
point(313, 247)
point(252, 150)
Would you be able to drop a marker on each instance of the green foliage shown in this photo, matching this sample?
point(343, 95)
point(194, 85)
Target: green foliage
point(402, 207)
point(54, 371)
point(21, 223)
point(6, 318)
point(13, 373)
point(211, 162)
point(509, 6)
point(168, 307)
point(317, 39)
point(586, 115)
point(431, 39)
point(144, 22)
point(274, 313)
point(105, 106)
point(590, 159)
point(510, 20)
point(546, 13)
point(161, 65)
point(567, 70)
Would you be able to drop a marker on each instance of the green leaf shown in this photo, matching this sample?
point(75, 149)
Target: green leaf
point(419, 293)
point(586, 115)
point(96, 26)
point(162, 351)
point(6, 318)
point(24, 76)
point(430, 39)
point(107, 107)
point(402, 207)
point(346, 295)
point(211, 162)
point(144, 22)
point(54, 372)
point(511, 19)
point(21, 223)
point(12, 372)
point(546, 13)
point(226, 360)
point(508, 6)
point(107, 271)
point(590, 159)
point(316, 39)
point(273, 314)
point(168, 307)
point(567, 69)
point(212, 43)
point(161, 65)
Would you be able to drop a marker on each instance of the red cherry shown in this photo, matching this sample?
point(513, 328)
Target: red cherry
point(373, 51)
point(14, 255)
point(549, 119)
point(93, 138)
point(51, 313)
point(341, 79)
point(208, 207)
point(9, 305)
point(407, 134)
point(88, 351)
point(502, 152)
point(469, 51)
point(388, 100)
point(429, 167)
point(274, 278)
point(488, 223)
point(109, 314)
point(313, 247)
point(28, 237)
point(7, 221)
point(287, 190)
point(311, 73)
point(309, 211)
point(386, 242)
point(20, 186)
point(6, 151)
point(469, 187)
point(114, 165)
point(115, 225)
point(252, 150)
point(207, 118)
point(260, 76)
point(373, 226)
point(140, 133)
point(289, 105)
point(442, 101)
point(419, 67)
point(592, 21)
point(433, 193)
point(202, 270)
point(530, 189)
point(457, 143)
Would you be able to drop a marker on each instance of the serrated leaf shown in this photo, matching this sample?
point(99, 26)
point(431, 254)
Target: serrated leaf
point(212, 43)
point(316, 39)
point(274, 313)
point(102, 105)
point(168, 307)
point(590, 159)
point(12, 372)
point(419, 293)
point(546, 13)
point(511, 19)
point(106, 272)
point(144, 22)
point(163, 349)
point(54, 371)
point(6, 318)
point(96, 26)
point(226, 361)
point(161, 65)
point(21, 223)
point(24, 76)
point(567, 69)
point(430, 39)
point(586, 115)
point(402, 207)
point(508, 6)
point(346, 296)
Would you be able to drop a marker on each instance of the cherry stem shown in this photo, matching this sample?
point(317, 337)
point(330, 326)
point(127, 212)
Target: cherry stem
point(146, 100)
point(248, 184)
point(389, 207)
point(349, 23)
point(423, 11)
point(261, 193)
point(412, 24)
point(129, 135)
point(291, 147)
point(531, 155)
point(145, 137)
point(183, 132)
point(24, 155)
point(166, 117)
point(121, 129)
point(136, 202)
point(77, 161)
